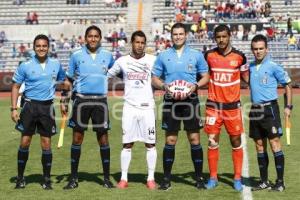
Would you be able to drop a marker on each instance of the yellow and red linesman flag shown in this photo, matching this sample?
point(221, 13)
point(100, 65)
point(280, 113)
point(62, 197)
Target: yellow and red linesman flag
point(288, 130)
point(62, 132)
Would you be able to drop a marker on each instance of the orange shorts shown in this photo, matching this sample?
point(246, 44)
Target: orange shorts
point(232, 119)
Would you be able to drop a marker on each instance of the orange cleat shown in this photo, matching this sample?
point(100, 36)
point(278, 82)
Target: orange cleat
point(151, 185)
point(122, 184)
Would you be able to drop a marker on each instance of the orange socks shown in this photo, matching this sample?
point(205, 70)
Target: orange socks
point(213, 158)
point(237, 158)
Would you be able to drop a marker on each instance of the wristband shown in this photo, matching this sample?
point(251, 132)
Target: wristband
point(12, 109)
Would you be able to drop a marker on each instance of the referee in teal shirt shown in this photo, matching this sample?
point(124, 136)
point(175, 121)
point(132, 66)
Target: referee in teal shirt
point(265, 122)
point(40, 75)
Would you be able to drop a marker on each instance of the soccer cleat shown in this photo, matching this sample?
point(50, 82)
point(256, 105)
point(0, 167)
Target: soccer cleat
point(107, 184)
point(46, 185)
point(279, 186)
point(151, 185)
point(261, 186)
point(200, 183)
point(72, 184)
point(237, 185)
point(20, 183)
point(122, 184)
point(211, 184)
point(165, 184)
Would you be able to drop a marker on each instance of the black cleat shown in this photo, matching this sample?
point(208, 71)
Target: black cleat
point(108, 184)
point(278, 187)
point(20, 183)
point(46, 185)
point(72, 184)
point(200, 183)
point(165, 184)
point(262, 185)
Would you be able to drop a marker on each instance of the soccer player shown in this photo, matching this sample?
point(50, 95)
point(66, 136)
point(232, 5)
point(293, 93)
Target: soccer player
point(88, 71)
point(265, 123)
point(181, 62)
point(138, 119)
point(40, 75)
point(226, 67)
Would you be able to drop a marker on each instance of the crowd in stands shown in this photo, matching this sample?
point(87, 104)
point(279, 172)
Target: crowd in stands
point(2, 38)
point(19, 2)
point(105, 20)
point(116, 3)
point(118, 40)
point(78, 2)
point(32, 18)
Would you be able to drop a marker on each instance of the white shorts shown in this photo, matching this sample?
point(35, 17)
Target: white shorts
point(138, 125)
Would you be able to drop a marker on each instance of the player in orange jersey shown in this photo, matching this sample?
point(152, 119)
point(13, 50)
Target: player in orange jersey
point(226, 68)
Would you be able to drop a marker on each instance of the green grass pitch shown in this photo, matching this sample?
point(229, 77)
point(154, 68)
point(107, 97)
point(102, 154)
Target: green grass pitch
point(90, 170)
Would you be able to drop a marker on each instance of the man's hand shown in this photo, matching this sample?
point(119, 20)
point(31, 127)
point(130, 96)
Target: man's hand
point(15, 116)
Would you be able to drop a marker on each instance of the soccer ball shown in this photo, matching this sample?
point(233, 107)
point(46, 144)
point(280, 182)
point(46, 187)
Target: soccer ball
point(179, 89)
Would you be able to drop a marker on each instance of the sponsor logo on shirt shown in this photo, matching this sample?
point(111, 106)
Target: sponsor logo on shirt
point(233, 63)
point(137, 76)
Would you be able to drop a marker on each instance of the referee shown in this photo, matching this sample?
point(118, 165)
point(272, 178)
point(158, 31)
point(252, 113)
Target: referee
point(88, 71)
point(40, 75)
point(181, 62)
point(265, 123)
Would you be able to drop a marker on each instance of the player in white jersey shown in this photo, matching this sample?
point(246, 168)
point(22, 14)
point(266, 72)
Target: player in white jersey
point(138, 119)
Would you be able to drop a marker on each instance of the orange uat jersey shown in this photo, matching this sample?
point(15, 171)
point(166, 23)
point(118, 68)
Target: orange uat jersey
point(225, 75)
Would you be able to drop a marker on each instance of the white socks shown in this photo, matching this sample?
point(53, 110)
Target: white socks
point(125, 161)
point(151, 156)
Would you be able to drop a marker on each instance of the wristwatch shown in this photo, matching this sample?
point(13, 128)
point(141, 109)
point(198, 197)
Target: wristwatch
point(289, 107)
point(12, 109)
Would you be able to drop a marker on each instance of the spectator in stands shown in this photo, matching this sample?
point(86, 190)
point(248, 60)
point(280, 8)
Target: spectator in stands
point(35, 18)
point(66, 45)
point(206, 5)
point(22, 50)
point(2, 38)
point(189, 17)
point(114, 38)
point(196, 17)
point(80, 40)
point(167, 3)
point(267, 8)
point(298, 44)
point(286, 2)
point(245, 36)
point(190, 3)
point(19, 2)
point(109, 3)
point(118, 3)
point(289, 26)
point(124, 3)
point(28, 19)
point(14, 51)
point(292, 42)
point(122, 35)
point(52, 52)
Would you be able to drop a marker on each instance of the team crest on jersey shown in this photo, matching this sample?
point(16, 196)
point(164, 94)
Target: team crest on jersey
point(265, 79)
point(190, 67)
point(104, 69)
point(274, 130)
point(137, 82)
point(233, 63)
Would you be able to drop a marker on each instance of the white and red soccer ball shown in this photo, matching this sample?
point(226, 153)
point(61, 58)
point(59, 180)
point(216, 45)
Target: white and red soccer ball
point(179, 89)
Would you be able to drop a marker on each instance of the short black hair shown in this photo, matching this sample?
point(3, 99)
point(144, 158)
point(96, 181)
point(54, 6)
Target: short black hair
point(179, 25)
point(138, 33)
point(93, 27)
point(258, 38)
point(221, 28)
point(41, 37)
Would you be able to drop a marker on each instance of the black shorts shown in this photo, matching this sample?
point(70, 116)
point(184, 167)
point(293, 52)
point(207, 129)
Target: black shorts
point(265, 121)
point(85, 109)
point(187, 110)
point(37, 116)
